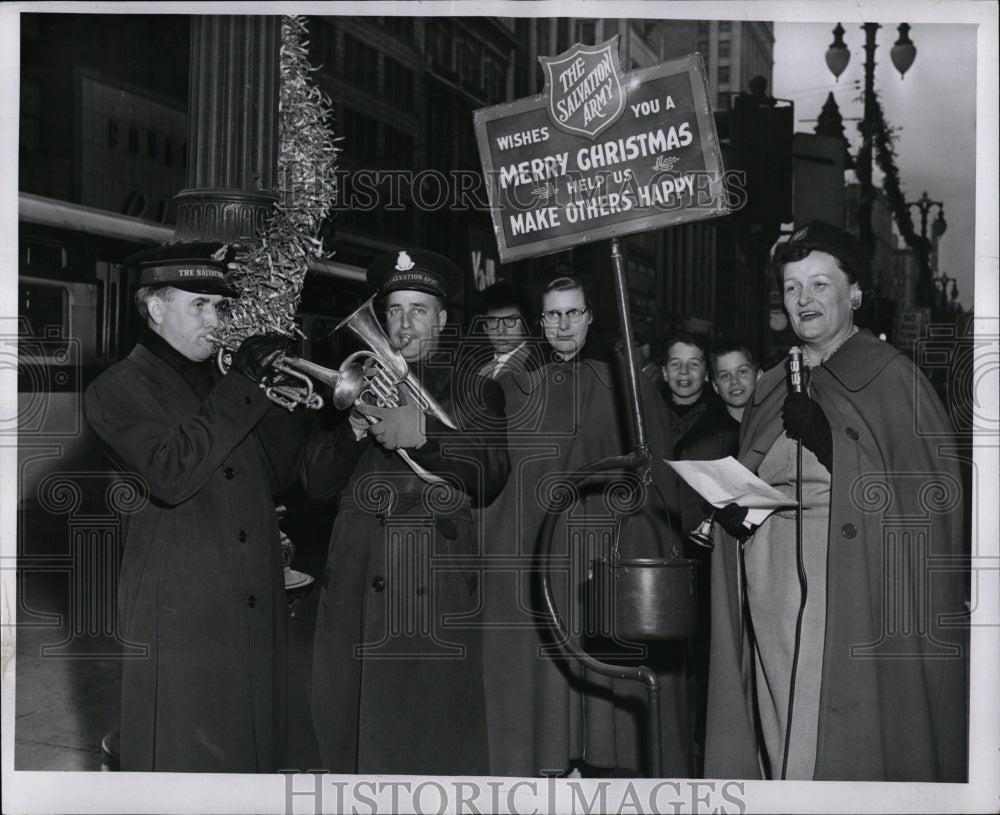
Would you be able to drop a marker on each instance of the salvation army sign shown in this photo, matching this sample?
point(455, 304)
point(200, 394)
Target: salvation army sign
point(600, 153)
point(583, 87)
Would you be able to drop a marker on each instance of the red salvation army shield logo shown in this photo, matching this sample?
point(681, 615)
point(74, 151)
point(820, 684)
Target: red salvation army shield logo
point(584, 89)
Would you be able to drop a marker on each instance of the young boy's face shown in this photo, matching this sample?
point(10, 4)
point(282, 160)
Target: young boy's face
point(735, 378)
point(685, 372)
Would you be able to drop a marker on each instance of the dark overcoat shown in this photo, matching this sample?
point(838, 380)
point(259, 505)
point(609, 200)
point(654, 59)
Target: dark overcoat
point(894, 693)
point(545, 711)
point(201, 585)
point(397, 663)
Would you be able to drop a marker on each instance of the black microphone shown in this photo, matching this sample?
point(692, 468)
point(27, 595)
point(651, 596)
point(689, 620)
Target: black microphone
point(795, 368)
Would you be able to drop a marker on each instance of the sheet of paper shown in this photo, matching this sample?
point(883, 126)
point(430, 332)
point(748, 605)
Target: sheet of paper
point(726, 481)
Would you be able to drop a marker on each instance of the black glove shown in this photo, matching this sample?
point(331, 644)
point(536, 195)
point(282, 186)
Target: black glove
point(731, 518)
point(257, 354)
point(804, 419)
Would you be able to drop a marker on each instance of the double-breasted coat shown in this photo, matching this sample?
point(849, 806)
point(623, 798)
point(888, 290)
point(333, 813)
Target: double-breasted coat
point(201, 583)
point(397, 663)
point(893, 697)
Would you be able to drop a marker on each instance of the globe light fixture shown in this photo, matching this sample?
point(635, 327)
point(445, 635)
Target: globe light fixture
point(904, 51)
point(940, 225)
point(838, 54)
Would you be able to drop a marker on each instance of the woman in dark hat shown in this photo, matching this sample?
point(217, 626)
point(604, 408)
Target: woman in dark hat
point(865, 680)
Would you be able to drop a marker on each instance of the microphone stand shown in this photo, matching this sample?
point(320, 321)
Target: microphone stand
point(796, 378)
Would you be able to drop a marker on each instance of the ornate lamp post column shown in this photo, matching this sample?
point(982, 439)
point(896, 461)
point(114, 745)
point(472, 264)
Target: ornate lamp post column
point(837, 56)
point(924, 204)
point(232, 128)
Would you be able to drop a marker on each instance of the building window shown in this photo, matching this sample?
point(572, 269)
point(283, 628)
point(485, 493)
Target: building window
point(724, 48)
point(31, 107)
point(323, 44)
point(439, 46)
point(494, 81)
point(723, 74)
point(468, 65)
point(360, 64)
point(703, 26)
point(398, 148)
point(468, 149)
point(703, 47)
point(399, 27)
point(440, 142)
point(725, 25)
point(360, 134)
point(562, 35)
point(398, 84)
point(396, 224)
point(586, 32)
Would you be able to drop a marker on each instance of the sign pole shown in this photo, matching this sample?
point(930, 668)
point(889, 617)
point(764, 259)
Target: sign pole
point(600, 154)
point(642, 453)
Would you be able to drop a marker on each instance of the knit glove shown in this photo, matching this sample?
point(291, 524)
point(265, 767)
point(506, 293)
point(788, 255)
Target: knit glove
point(257, 354)
point(396, 427)
point(731, 518)
point(804, 419)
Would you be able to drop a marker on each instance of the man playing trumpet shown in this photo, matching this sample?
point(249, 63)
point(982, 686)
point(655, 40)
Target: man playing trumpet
point(397, 680)
point(201, 583)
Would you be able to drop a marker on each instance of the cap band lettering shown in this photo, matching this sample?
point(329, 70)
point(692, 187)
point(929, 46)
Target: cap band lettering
point(168, 273)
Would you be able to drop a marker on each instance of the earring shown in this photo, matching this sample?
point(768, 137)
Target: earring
point(855, 303)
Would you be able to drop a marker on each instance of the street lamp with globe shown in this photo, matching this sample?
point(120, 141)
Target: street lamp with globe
point(838, 55)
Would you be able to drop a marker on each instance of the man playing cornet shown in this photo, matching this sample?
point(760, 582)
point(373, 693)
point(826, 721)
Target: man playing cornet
point(201, 584)
point(397, 680)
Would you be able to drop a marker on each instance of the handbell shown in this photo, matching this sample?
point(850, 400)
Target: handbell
point(704, 534)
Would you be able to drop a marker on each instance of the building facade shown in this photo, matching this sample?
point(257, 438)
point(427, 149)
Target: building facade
point(404, 90)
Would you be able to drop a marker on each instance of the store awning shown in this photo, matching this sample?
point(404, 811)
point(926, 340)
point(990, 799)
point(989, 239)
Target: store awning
point(37, 209)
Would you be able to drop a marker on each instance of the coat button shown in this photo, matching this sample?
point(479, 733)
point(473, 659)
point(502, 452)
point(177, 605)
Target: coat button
point(229, 473)
point(242, 536)
point(251, 601)
point(378, 584)
point(852, 434)
point(421, 591)
point(848, 530)
point(247, 400)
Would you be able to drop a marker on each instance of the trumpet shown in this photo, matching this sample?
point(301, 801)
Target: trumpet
point(348, 382)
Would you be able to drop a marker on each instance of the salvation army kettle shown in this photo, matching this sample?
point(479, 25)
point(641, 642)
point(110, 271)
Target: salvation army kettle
point(642, 599)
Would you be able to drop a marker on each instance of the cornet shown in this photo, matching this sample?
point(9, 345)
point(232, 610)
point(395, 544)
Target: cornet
point(348, 383)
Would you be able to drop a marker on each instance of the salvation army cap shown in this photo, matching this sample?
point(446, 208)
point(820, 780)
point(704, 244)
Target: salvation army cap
point(820, 236)
point(414, 270)
point(193, 267)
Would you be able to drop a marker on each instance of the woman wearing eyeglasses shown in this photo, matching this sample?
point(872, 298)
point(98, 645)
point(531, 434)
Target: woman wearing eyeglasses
point(545, 712)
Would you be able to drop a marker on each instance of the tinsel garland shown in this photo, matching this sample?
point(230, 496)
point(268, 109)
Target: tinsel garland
point(270, 272)
point(885, 153)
